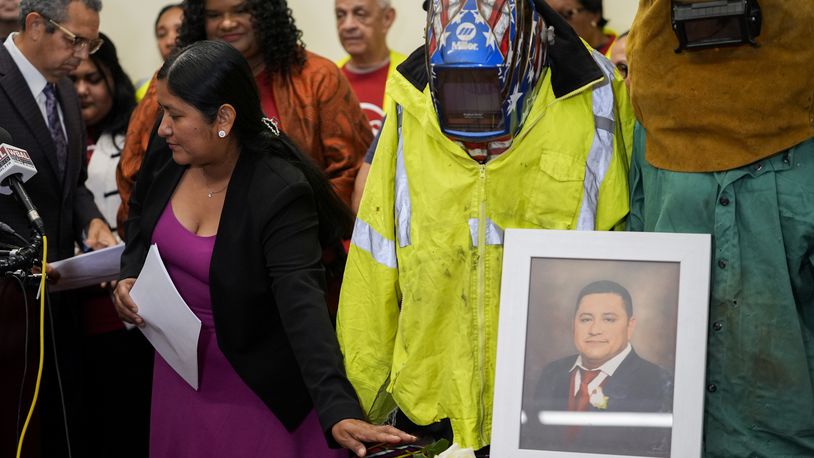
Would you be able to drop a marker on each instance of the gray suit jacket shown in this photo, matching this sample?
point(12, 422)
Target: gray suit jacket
point(65, 204)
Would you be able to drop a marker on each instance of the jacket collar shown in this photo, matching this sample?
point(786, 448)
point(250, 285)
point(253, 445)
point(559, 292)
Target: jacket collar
point(571, 64)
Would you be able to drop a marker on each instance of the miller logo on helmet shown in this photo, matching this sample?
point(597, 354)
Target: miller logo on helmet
point(466, 31)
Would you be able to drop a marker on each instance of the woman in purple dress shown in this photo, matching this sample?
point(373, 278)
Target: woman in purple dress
point(239, 217)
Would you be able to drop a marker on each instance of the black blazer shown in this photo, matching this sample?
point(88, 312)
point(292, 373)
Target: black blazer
point(637, 385)
point(65, 205)
point(266, 282)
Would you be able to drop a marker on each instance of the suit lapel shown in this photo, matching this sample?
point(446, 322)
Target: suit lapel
point(22, 101)
point(624, 379)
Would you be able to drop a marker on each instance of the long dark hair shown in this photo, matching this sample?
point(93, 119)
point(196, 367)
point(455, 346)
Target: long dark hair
point(208, 74)
point(121, 91)
point(277, 35)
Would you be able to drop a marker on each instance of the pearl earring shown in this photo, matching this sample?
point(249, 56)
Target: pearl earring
point(222, 133)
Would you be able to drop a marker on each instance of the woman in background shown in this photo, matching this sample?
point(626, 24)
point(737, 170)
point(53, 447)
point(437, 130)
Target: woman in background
point(239, 216)
point(115, 359)
point(166, 28)
point(106, 98)
point(308, 95)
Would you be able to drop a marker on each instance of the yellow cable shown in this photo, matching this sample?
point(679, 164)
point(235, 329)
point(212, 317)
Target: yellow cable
point(42, 346)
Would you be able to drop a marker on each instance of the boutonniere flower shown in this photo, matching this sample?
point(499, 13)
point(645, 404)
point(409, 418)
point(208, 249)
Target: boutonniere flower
point(598, 399)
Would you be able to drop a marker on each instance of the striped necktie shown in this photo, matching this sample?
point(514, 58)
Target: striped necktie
point(55, 127)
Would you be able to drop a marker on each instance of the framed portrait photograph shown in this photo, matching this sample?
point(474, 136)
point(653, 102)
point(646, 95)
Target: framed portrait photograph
point(601, 345)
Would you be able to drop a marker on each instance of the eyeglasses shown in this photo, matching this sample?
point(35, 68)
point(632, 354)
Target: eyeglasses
point(78, 43)
point(568, 14)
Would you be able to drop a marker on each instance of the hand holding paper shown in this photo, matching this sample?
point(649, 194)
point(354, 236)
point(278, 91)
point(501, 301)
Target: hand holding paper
point(168, 323)
point(87, 269)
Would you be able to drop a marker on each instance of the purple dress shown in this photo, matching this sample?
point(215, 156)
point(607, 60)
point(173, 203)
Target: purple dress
point(224, 417)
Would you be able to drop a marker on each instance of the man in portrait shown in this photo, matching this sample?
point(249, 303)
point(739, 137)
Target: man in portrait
point(606, 375)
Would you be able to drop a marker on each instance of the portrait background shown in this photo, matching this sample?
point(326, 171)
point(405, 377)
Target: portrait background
point(553, 288)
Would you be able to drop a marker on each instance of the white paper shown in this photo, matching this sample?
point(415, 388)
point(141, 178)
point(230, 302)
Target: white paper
point(88, 269)
point(169, 324)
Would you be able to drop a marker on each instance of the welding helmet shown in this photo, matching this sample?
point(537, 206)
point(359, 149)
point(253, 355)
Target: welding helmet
point(484, 59)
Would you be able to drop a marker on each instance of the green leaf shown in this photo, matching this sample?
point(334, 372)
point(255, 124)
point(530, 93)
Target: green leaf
point(436, 448)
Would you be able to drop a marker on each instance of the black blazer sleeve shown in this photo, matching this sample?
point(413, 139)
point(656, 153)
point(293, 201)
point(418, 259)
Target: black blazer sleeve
point(293, 253)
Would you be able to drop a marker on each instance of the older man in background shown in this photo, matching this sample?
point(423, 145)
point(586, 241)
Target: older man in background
point(41, 110)
point(362, 26)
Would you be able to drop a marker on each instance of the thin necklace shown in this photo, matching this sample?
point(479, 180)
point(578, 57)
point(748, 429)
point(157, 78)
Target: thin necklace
point(211, 193)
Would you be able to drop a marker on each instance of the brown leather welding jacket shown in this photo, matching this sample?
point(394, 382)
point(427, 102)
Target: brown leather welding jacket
point(722, 108)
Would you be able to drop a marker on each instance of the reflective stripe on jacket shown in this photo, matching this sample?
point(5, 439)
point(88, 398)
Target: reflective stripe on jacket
point(419, 303)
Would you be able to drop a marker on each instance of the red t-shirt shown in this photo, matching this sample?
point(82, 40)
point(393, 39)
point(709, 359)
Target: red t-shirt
point(369, 89)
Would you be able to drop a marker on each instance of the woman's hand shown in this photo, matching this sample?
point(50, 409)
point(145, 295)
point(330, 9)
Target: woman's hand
point(351, 434)
point(125, 307)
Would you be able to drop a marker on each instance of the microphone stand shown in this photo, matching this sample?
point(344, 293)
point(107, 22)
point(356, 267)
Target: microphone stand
point(19, 260)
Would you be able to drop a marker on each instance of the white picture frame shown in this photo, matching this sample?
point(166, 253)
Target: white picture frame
point(543, 273)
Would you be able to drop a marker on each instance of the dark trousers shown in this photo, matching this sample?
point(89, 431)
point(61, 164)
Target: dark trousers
point(56, 419)
point(117, 382)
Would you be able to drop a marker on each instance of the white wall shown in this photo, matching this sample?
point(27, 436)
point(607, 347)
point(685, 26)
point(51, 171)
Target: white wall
point(130, 25)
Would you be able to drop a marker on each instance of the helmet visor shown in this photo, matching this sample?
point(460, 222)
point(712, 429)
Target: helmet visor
point(469, 100)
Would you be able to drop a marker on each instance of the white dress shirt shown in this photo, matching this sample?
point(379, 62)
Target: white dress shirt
point(606, 369)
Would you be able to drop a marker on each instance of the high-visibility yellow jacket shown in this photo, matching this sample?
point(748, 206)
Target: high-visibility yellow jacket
point(418, 314)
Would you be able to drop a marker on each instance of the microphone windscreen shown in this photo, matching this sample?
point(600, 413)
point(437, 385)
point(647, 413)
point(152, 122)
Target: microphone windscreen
point(14, 161)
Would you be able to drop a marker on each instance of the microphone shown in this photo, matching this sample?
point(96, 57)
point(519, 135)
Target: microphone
point(16, 167)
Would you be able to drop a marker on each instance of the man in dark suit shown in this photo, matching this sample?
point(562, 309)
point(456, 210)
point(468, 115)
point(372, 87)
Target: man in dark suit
point(605, 376)
point(41, 110)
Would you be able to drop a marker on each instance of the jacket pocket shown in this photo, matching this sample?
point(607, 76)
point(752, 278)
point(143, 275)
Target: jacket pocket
point(558, 190)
